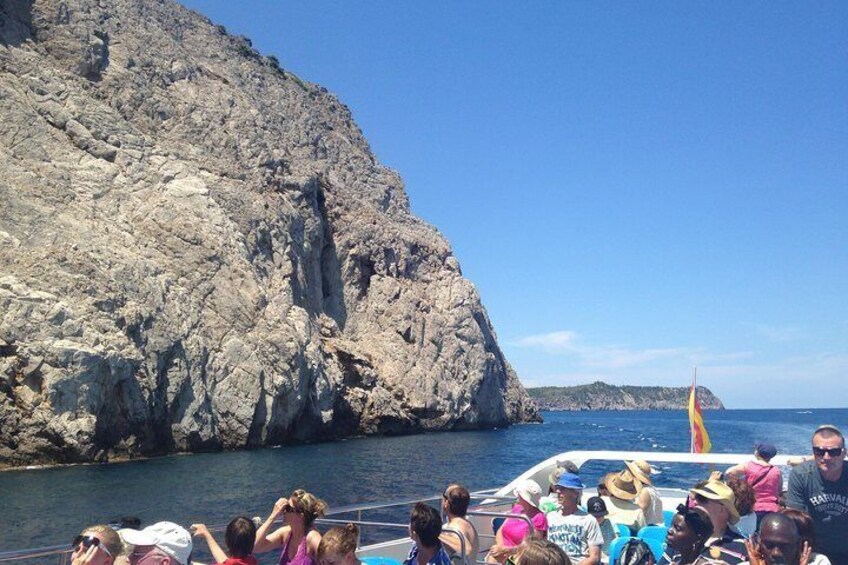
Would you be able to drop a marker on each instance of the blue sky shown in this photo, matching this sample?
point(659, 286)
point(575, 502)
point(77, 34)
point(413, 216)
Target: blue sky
point(634, 187)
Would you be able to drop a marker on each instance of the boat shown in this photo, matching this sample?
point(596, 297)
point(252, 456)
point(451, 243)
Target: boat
point(390, 544)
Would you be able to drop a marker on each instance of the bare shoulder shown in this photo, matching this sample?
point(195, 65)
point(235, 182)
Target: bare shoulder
point(313, 538)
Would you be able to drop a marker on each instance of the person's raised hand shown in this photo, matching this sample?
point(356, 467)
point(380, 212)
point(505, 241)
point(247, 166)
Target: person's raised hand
point(199, 530)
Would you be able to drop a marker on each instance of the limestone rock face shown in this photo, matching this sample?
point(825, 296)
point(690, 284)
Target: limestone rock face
point(199, 251)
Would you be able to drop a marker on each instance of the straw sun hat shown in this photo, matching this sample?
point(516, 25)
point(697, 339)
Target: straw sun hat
point(721, 493)
point(641, 471)
point(623, 485)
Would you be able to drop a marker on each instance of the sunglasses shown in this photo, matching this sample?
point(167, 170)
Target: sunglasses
point(87, 542)
point(701, 499)
point(833, 451)
point(685, 509)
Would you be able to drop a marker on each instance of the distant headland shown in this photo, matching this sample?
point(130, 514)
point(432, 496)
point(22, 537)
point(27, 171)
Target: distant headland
point(603, 396)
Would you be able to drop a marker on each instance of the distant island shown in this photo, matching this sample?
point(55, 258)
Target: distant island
point(603, 396)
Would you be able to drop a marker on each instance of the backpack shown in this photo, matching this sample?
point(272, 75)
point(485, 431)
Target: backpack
point(636, 552)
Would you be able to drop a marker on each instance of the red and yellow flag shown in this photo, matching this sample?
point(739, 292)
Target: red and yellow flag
point(700, 437)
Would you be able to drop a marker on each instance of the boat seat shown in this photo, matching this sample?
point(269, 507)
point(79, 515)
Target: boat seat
point(652, 532)
point(615, 548)
point(623, 531)
point(657, 547)
point(380, 561)
point(668, 516)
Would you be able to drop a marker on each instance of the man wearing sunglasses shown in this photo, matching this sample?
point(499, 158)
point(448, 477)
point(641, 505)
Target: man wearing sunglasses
point(820, 488)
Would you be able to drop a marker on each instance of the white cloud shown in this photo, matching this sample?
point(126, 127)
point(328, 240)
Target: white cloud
point(552, 342)
point(802, 381)
point(600, 357)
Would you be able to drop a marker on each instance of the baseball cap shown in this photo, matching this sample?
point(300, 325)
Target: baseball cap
point(596, 506)
point(766, 450)
point(570, 480)
point(169, 537)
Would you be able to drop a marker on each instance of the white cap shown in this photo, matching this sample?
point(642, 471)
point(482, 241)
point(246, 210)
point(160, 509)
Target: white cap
point(167, 536)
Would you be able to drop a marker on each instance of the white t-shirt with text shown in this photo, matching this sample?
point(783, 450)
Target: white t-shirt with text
point(574, 533)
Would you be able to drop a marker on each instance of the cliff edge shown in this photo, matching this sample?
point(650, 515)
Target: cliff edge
point(199, 251)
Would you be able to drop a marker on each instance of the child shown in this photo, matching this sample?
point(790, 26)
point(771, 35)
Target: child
point(240, 536)
point(598, 508)
point(424, 529)
point(338, 546)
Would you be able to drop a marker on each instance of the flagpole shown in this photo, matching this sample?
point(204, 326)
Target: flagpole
point(692, 423)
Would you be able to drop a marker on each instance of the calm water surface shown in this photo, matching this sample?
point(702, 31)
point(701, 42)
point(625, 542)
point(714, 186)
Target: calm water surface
point(50, 506)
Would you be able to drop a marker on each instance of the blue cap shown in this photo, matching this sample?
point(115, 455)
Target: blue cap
point(766, 450)
point(570, 480)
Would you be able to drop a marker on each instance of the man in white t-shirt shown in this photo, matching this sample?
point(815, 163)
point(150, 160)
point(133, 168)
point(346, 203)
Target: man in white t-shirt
point(571, 528)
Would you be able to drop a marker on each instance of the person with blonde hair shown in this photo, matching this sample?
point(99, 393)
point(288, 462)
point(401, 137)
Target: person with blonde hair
point(96, 545)
point(541, 552)
point(297, 537)
point(338, 546)
point(648, 498)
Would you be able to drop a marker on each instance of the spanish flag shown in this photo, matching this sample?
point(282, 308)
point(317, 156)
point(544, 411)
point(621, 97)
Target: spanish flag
point(700, 437)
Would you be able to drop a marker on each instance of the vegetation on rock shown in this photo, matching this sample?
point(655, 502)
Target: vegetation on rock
point(602, 396)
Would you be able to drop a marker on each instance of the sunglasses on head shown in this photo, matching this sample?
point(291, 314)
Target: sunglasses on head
point(87, 542)
point(685, 509)
point(833, 451)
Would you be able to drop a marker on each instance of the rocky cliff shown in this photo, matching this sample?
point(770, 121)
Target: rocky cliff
point(602, 396)
point(199, 251)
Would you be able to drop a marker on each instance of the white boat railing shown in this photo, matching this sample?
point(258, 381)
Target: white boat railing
point(62, 553)
point(490, 497)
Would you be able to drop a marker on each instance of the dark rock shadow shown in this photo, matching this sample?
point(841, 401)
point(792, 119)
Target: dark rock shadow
point(15, 22)
point(332, 284)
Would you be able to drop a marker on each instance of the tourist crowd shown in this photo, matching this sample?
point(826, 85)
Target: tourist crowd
point(736, 517)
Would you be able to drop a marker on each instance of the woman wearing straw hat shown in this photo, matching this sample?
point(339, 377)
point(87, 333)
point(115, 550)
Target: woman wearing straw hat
point(649, 499)
point(624, 489)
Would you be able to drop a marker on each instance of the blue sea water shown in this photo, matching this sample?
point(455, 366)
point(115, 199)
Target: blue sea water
point(50, 506)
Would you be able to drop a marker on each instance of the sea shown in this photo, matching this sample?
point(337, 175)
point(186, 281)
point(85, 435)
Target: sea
point(43, 507)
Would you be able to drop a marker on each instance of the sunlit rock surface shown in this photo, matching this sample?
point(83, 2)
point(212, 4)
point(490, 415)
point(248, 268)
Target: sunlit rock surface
point(199, 251)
